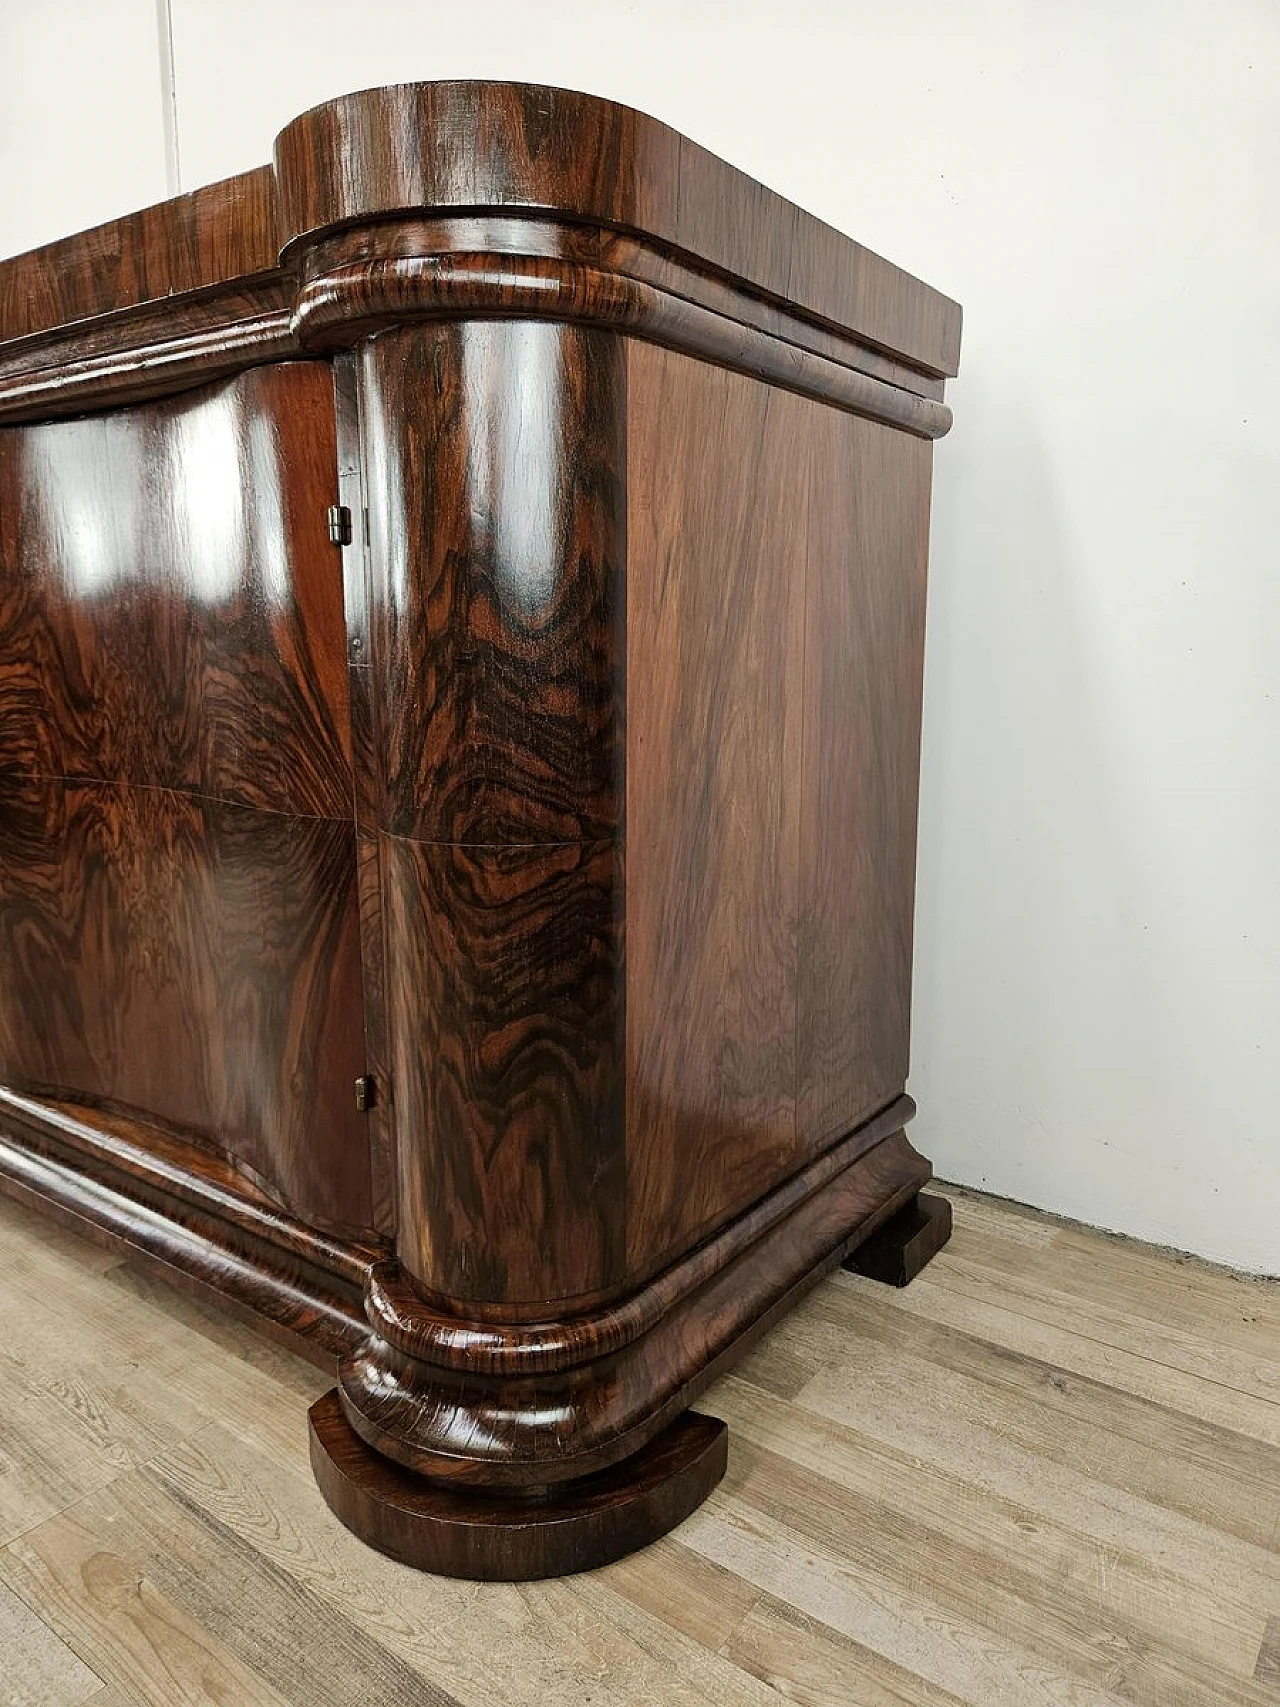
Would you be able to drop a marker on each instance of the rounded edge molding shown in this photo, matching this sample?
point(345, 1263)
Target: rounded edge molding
point(464, 1424)
point(455, 145)
point(337, 307)
point(458, 1532)
point(447, 1333)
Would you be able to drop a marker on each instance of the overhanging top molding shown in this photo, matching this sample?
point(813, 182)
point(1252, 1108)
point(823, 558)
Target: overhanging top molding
point(514, 149)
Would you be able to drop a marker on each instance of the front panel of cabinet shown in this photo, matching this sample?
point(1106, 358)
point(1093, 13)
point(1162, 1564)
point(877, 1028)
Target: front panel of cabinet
point(178, 932)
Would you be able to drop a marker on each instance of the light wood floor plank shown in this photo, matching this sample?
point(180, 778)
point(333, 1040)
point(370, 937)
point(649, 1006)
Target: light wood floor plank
point(1267, 1666)
point(1046, 1473)
point(543, 1641)
point(959, 1434)
point(1094, 1615)
point(1150, 1446)
point(36, 1668)
point(1124, 1582)
point(905, 1628)
point(74, 1572)
point(1160, 1286)
point(815, 1666)
point(999, 1318)
point(45, 1463)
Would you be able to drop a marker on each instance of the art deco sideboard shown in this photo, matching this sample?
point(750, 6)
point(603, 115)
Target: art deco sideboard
point(461, 618)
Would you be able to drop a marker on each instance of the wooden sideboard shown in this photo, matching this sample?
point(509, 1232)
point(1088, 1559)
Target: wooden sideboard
point(461, 618)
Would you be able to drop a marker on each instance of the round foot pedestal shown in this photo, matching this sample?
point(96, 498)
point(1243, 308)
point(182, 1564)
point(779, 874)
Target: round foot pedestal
point(458, 1532)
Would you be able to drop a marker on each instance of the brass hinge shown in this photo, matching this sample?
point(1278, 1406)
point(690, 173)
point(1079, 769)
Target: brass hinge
point(339, 524)
point(364, 1092)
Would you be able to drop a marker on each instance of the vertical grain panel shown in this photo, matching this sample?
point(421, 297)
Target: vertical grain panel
point(507, 1067)
point(868, 527)
point(776, 559)
point(719, 471)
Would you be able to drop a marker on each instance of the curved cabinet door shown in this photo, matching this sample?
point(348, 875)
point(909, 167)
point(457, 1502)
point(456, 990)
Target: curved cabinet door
point(179, 935)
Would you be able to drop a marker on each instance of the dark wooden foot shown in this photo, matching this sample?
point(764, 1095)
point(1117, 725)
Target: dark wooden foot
point(896, 1252)
point(460, 1533)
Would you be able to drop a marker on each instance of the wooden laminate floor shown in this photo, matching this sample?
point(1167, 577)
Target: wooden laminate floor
point(1049, 1471)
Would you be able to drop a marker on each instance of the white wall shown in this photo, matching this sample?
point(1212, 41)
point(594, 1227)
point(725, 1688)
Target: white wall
point(1098, 935)
point(81, 118)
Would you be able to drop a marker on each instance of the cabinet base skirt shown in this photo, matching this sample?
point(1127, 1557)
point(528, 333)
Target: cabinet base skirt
point(435, 1446)
point(550, 1532)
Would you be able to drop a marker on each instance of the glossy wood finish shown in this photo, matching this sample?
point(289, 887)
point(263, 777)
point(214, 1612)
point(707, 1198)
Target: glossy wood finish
point(191, 1217)
point(545, 1427)
point(576, 1527)
point(569, 804)
point(366, 770)
point(397, 266)
point(772, 785)
point(412, 269)
point(495, 645)
point(221, 234)
point(176, 849)
point(529, 147)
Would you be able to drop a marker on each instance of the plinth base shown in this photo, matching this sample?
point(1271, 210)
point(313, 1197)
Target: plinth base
point(897, 1252)
point(486, 1537)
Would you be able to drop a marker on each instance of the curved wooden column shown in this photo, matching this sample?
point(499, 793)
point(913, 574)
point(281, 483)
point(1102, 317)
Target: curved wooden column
point(493, 457)
point(523, 1347)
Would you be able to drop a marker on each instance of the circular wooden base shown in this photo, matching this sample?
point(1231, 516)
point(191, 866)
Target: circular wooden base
point(457, 1532)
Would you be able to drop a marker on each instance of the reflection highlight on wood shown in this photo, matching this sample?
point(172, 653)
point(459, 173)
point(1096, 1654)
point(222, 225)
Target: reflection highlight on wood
point(461, 637)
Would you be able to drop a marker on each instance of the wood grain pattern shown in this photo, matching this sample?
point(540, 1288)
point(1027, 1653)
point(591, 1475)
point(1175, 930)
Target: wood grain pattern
point(204, 970)
point(543, 1426)
point(402, 264)
point(504, 1341)
point(716, 578)
point(496, 627)
point(506, 1057)
point(902, 1556)
point(193, 1218)
point(867, 532)
point(775, 589)
point(176, 847)
point(495, 663)
point(345, 286)
point(359, 281)
point(172, 617)
point(214, 234)
point(366, 771)
point(460, 1534)
point(39, 1667)
point(512, 146)
point(565, 801)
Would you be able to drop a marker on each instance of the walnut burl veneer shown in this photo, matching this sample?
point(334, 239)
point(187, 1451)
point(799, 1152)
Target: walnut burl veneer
point(461, 623)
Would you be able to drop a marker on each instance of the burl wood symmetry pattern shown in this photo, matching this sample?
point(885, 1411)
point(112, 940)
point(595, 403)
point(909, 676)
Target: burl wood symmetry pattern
point(177, 896)
point(460, 654)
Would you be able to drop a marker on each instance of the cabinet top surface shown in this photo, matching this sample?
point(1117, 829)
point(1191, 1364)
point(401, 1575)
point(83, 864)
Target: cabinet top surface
point(509, 149)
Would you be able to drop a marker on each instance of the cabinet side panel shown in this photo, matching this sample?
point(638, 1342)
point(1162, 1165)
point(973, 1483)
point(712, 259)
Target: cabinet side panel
point(864, 653)
point(718, 482)
point(177, 902)
point(775, 609)
point(494, 471)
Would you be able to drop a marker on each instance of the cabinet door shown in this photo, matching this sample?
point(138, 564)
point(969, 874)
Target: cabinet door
point(179, 938)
